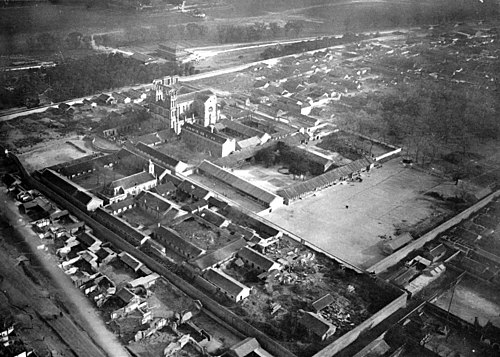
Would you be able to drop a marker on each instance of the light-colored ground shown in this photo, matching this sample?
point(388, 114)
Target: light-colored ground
point(267, 178)
point(54, 152)
point(388, 196)
point(472, 299)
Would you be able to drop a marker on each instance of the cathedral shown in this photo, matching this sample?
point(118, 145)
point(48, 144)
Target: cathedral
point(178, 104)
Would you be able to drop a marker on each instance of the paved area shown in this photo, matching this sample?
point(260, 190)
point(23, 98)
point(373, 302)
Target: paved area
point(387, 197)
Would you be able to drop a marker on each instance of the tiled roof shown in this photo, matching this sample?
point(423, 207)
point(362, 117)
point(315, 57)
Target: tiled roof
point(260, 260)
point(133, 180)
point(253, 191)
point(120, 204)
point(245, 347)
point(168, 236)
point(325, 179)
point(248, 143)
point(212, 217)
point(157, 155)
point(206, 133)
point(222, 254)
point(224, 282)
point(243, 129)
point(316, 324)
point(193, 189)
point(130, 260)
point(323, 302)
point(153, 201)
point(165, 188)
point(87, 239)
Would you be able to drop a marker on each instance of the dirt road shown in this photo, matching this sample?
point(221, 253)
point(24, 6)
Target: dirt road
point(82, 327)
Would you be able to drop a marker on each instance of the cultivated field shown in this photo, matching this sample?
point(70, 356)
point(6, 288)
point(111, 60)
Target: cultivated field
point(390, 197)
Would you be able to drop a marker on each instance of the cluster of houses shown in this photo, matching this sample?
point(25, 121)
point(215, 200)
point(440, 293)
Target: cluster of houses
point(86, 259)
point(10, 344)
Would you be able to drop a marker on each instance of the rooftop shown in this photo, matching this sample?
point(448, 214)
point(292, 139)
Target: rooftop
point(224, 281)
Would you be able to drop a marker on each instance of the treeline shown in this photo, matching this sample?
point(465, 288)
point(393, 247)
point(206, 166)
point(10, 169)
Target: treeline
point(429, 119)
point(304, 46)
point(294, 159)
point(76, 78)
point(223, 33)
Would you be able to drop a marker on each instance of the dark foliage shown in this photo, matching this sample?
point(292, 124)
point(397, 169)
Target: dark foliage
point(82, 77)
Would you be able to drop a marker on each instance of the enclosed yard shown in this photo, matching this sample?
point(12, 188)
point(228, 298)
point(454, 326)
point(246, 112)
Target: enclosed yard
point(276, 303)
point(470, 299)
point(55, 152)
point(269, 178)
point(349, 220)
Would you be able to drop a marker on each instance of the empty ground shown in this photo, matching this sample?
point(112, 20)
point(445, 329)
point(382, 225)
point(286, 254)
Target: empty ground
point(472, 299)
point(267, 178)
point(389, 197)
point(54, 152)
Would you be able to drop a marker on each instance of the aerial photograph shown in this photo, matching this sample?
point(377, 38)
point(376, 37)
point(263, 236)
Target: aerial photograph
point(249, 178)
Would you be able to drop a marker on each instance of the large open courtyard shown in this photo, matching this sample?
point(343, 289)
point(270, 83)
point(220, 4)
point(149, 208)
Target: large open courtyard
point(348, 220)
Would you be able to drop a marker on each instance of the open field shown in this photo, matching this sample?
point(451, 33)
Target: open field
point(388, 198)
point(472, 299)
point(266, 177)
point(54, 152)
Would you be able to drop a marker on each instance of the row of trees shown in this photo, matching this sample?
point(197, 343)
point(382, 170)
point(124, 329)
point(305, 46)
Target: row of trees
point(303, 46)
point(429, 119)
point(81, 77)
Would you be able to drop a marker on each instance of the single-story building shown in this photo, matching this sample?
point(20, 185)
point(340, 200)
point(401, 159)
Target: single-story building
point(229, 286)
point(317, 326)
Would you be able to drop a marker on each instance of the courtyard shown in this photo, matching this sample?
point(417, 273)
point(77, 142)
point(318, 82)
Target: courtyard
point(349, 220)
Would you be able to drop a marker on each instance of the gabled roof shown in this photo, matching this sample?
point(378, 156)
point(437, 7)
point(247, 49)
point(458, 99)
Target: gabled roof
point(316, 324)
point(323, 302)
point(191, 207)
point(167, 235)
point(244, 348)
point(204, 95)
point(222, 254)
point(87, 239)
point(130, 260)
point(212, 217)
point(120, 204)
point(157, 155)
point(243, 129)
point(325, 179)
point(248, 143)
point(125, 295)
point(236, 182)
point(437, 251)
point(164, 188)
point(206, 133)
point(216, 202)
point(153, 201)
point(260, 260)
point(224, 282)
point(132, 180)
point(192, 189)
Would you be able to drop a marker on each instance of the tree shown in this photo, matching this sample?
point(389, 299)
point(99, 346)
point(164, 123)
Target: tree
point(46, 41)
point(73, 40)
